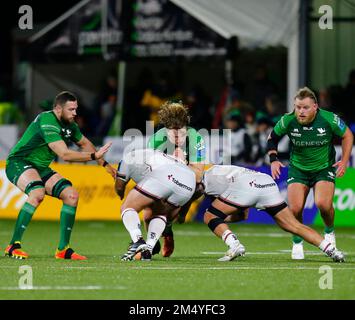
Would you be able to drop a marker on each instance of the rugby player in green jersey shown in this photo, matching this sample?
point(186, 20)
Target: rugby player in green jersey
point(27, 167)
point(312, 159)
point(178, 139)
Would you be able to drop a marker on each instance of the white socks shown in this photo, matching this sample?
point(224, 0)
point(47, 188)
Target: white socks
point(155, 230)
point(229, 238)
point(130, 219)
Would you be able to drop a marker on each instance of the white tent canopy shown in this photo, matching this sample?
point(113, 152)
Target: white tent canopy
point(256, 24)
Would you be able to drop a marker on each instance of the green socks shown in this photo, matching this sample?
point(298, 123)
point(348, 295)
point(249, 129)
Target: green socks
point(67, 218)
point(296, 239)
point(329, 229)
point(23, 220)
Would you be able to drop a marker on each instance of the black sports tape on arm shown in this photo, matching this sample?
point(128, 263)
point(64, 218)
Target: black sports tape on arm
point(273, 141)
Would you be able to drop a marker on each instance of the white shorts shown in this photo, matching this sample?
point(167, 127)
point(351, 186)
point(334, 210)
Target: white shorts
point(254, 190)
point(173, 183)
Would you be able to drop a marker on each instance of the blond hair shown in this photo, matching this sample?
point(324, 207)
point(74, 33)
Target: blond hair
point(174, 115)
point(305, 92)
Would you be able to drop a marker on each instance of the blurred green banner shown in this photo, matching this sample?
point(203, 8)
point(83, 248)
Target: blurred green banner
point(344, 201)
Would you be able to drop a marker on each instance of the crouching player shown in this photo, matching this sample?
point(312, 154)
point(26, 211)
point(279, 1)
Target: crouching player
point(27, 167)
point(236, 189)
point(163, 183)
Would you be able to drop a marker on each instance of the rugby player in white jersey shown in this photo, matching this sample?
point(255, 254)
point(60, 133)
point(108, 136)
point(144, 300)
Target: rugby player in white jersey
point(164, 183)
point(236, 189)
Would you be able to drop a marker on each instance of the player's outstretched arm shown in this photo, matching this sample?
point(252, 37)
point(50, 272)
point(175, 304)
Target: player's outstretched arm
point(63, 152)
point(86, 145)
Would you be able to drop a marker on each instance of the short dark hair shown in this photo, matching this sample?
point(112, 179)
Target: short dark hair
point(63, 97)
point(305, 92)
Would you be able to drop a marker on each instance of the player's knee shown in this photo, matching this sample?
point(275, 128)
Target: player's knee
point(214, 217)
point(214, 223)
point(323, 205)
point(123, 206)
point(36, 196)
point(71, 197)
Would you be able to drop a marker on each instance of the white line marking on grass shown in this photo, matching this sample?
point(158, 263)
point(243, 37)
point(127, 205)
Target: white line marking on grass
point(311, 253)
point(63, 288)
point(188, 233)
point(247, 253)
point(241, 234)
point(238, 268)
point(49, 267)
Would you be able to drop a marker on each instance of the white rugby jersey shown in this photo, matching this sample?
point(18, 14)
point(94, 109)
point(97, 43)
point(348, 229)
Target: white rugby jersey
point(218, 178)
point(137, 164)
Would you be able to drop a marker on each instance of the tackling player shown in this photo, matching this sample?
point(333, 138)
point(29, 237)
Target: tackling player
point(27, 167)
point(312, 159)
point(177, 138)
point(236, 190)
point(164, 184)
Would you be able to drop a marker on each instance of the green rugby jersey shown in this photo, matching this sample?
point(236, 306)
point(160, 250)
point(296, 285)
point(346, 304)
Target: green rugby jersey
point(44, 129)
point(194, 148)
point(312, 147)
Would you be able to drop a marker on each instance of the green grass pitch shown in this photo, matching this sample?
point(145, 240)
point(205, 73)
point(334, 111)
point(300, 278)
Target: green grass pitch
point(191, 273)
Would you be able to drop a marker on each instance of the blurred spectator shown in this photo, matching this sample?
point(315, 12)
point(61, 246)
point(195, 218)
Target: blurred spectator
point(199, 108)
point(241, 144)
point(337, 103)
point(349, 99)
point(274, 107)
point(264, 128)
point(260, 88)
point(134, 116)
point(105, 106)
point(228, 100)
point(324, 99)
point(249, 116)
point(107, 113)
point(9, 111)
point(154, 97)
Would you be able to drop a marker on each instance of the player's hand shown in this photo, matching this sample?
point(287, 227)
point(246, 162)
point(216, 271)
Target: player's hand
point(341, 168)
point(276, 169)
point(111, 171)
point(179, 153)
point(100, 153)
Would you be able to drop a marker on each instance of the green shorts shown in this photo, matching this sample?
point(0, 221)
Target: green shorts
point(310, 178)
point(15, 167)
